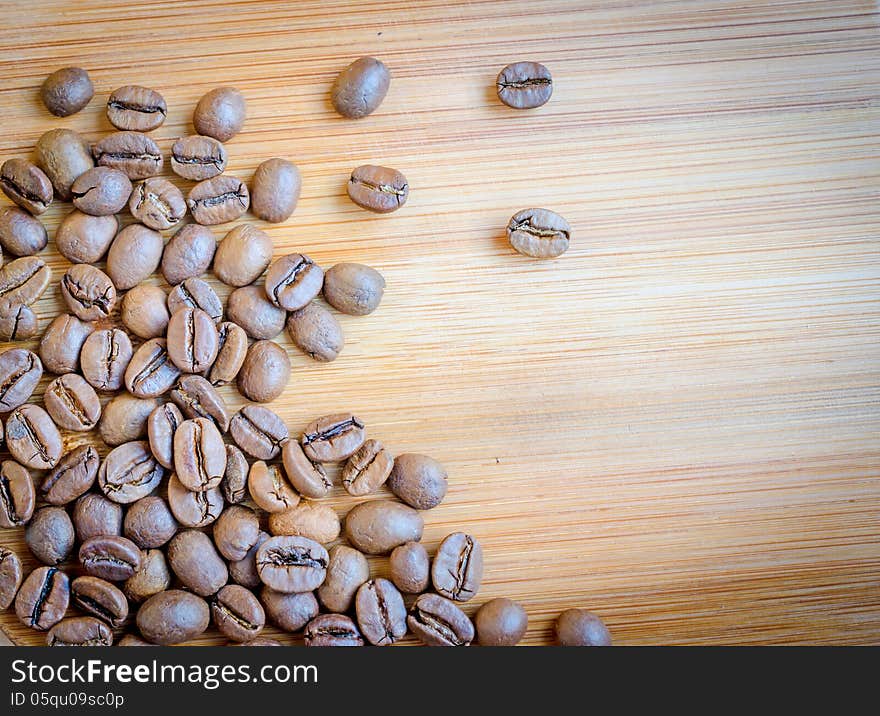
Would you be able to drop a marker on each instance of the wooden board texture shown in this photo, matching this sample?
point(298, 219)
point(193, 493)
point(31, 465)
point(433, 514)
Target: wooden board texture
point(676, 423)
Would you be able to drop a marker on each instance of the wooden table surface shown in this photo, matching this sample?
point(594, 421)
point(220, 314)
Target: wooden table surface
point(676, 423)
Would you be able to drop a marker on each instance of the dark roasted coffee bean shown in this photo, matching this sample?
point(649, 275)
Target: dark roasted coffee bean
point(439, 622)
point(101, 599)
point(80, 631)
point(418, 480)
point(367, 469)
point(73, 476)
point(236, 531)
point(377, 527)
point(63, 155)
point(20, 233)
point(293, 281)
point(249, 308)
point(134, 255)
point(136, 108)
point(360, 88)
point(151, 372)
point(144, 311)
point(152, 577)
point(378, 189)
point(23, 281)
point(234, 484)
point(72, 403)
point(265, 372)
point(110, 557)
point(157, 203)
point(173, 617)
point(49, 535)
point(332, 630)
point(84, 239)
point(244, 571)
point(578, 627)
point(292, 564)
point(289, 612)
point(232, 345)
point(347, 570)
point(188, 254)
point(131, 152)
point(19, 324)
point(125, 419)
point(129, 472)
point(258, 431)
point(194, 559)
point(43, 598)
point(32, 438)
point(269, 488)
point(309, 478)
point(410, 568)
point(20, 371)
point(88, 292)
point(192, 340)
point(500, 622)
point(149, 522)
point(195, 293)
point(67, 91)
point(94, 515)
point(354, 289)
point(243, 255)
point(310, 519)
point(193, 509)
point(10, 577)
point(62, 342)
point(161, 426)
point(105, 357)
point(275, 190)
point(218, 200)
point(197, 398)
point(524, 85)
point(540, 233)
point(237, 613)
point(26, 184)
point(199, 455)
point(197, 157)
point(333, 438)
point(101, 191)
point(457, 570)
point(17, 495)
point(220, 113)
point(381, 613)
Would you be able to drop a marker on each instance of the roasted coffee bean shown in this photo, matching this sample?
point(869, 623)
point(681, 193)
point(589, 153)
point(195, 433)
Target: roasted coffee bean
point(410, 568)
point(232, 345)
point(20, 371)
point(136, 108)
point(72, 403)
point(62, 342)
point(101, 191)
point(220, 113)
point(192, 340)
point(236, 531)
point(105, 357)
point(289, 612)
point(258, 431)
point(23, 281)
point(197, 158)
point(439, 622)
point(94, 515)
point(80, 631)
point(84, 239)
point(347, 570)
point(244, 571)
point(293, 281)
point(17, 495)
point(309, 478)
point(378, 189)
point(292, 564)
point(195, 293)
point(26, 184)
point(161, 426)
point(129, 472)
point(125, 419)
point(67, 91)
point(19, 324)
point(354, 289)
point(218, 200)
point(539, 233)
point(20, 233)
point(101, 599)
point(243, 255)
point(234, 484)
point(332, 630)
point(237, 613)
point(457, 570)
point(149, 522)
point(197, 398)
point(110, 557)
point(88, 292)
point(152, 577)
point(199, 455)
point(144, 312)
point(379, 526)
point(63, 155)
point(32, 438)
point(308, 519)
point(501, 622)
point(134, 255)
point(10, 577)
point(43, 598)
point(367, 469)
point(524, 85)
point(269, 488)
point(131, 152)
point(578, 627)
point(158, 204)
point(194, 559)
point(193, 509)
point(418, 480)
point(275, 190)
point(265, 372)
point(333, 438)
point(360, 88)
point(188, 254)
point(49, 535)
point(249, 308)
point(173, 617)
point(73, 476)
point(150, 371)
point(381, 613)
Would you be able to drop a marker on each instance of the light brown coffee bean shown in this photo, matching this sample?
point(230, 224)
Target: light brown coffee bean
point(125, 419)
point(134, 254)
point(151, 372)
point(439, 622)
point(152, 577)
point(199, 455)
point(110, 557)
point(157, 204)
point(540, 233)
point(243, 255)
point(381, 613)
point(20, 372)
point(105, 357)
point(347, 570)
point(73, 476)
point(162, 423)
point(244, 571)
point(332, 630)
point(84, 239)
point(195, 293)
point(197, 157)
point(265, 372)
point(418, 480)
point(275, 190)
point(258, 431)
point(19, 324)
point(234, 484)
point(63, 155)
point(524, 85)
point(188, 254)
point(293, 281)
point(250, 309)
point(289, 612)
point(354, 289)
point(232, 345)
point(501, 622)
point(457, 570)
point(410, 568)
point(26, 184)
point(218, 200)
point(367, 469)
point(309, 478)
point(32, 438)
point(333, 438)
point(378, 189)
point(377, 527)
point(269, 489)
point(220, 113)
point(72, 403)
point(94, 515)
point(17, 494)
point(137, 108)
point(194, 559)
point(578, 627)
point(10, 577)
point(42, 598)
point(49, 535)
point(20, 233)
point(66, 91)
point(237, 613)
point(292, 564)
point(236, 531)
point(192, 340)
point(101, 191)
point(149, 522)
point(88, 292)
point(131, 152)
point(129, 472)
point(144, 312)
point(194, 509)
point(23, 281)
point(101, 599)
point(197, 398)
point(308, 519)
point(173, 617)
point(80, 631)
point(360, 88)
point(62, 342)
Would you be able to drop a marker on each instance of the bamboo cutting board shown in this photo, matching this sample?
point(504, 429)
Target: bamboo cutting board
point(676, 423)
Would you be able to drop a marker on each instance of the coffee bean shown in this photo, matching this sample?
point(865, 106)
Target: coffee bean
point(539, 233)
point(381, 613)
point(347, 570)
point(173, 617)
point(501, 622)
point(19, 324)
point(26, 184)
point(293, 281)
point(23, 281)
point(62, 342)
point(110, 557)
point(354, 289)
point(10, 577)
point(197, 398)
point(144, 312)
point(161, 426)
point(197, 158)
point(360, 88)
point(289, 612)
point(244, 571)
point(378, 189)
point(243, 255)
point(249, 308)
point(101, 599)
point(151, 372)
point(237, 613)
point(199, 455)
point(67, 91)
point(418, 480)
point(269, 489)
point(101, 191)
point(236, 531)
point(524, 85)
point(333, 438)
point(308, 477)
point(439, 622)
point(457, 570)
point(292, 564)
point(149, 522)
point(218, 200)
point(410, 568)
point(367, 469)
point(80, 631)
point(332, 630)
point(105, 357)
point(20, 233)
point(188, 254)
point(32, 438)
point(63, 155)
point(234, 484)
point(307, 519)
point(275, 190)
point(152, 577)
point(131, 152)
point(49, 535)
point(73, 476)
point(192, 340)
point(258, 431)
point(578, 627)
point(129, 472)
point(17, 496)
point(194, 559)
point(265, 372)
point(125, 419)
point(220, 113)
point(232, 345)
point(43, 598)
point(84, 239)
point(88, 292)
point(157, 203)
point(72, 403)
point(377, 527)
point(195, 293)
point(94, 515)
point(193, 509)
point(134, 255)
point(20, 371)
point(136, 108)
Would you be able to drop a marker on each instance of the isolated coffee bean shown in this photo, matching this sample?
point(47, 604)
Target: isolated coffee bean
point(144, 312)
point(237, 613)
point(332, 630)
point(251, 309)
point(23, 281)
point(377, 527)
point(10, 577)
point(150, 371)
point(378, 189)
point(67, 91)
point(309, 478)
point(133, 153)
point(232, 345)
point(354, 289)
point(20, 233)
point(269, 489)
point(157, 203)
point(199, 455)
point(236, 531)
point(104, 358)
point(457, 570)
point(347, 570)
point(410, 568)
point(133, 107)
point(195, 293)
point(49, 535)
point(193, 509)
point(20, 371)
point(244, 571)
point(43, 598)
point(152, 577)
point(125, 419)
point(197, 398)
point(73, 476)
point(540, 233)
point(80, 631)
point(333, 438)
point(418, 480)
point(173, 617)
point(293, 281)
point(72, 403)
point(32, 438)
point(26, 184)
point(94, 515)
point(292, 564)
point(197, 157)
point(192, 340)
point(367, 469)
point(129, 472)
point(17, 495)
point(500, 622)
point(194, 559)
point(19, 324)
point(381, 613)
point(188, 254)
point(439, 622)
point(84, 239)
point(149, 522)
point(162, 423)
point(289, 612)
point(578, 627)
point(220, 113)
point(218, 200)
point(264, 373)
point(134, 255)
point(310, 519)
point(243, 255)
point(275, 190)
point(101, 191)
point(360, 88)
point(88, 292)
point(524, 85)
point(110, 557)
point(234, 484)
point(101, 599)
point(63, 155)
